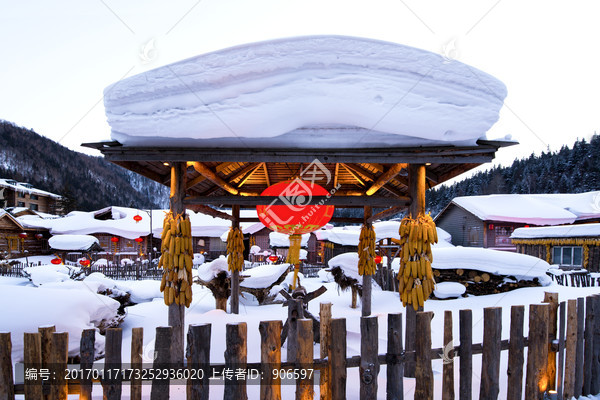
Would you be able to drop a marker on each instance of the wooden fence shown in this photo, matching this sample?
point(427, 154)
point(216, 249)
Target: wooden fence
point(576, 279)
point(563, 357)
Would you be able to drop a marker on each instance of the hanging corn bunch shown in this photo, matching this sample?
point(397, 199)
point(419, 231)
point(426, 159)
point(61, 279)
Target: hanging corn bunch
point(366, 251)
point(415, 276)
point(235, 249)
point(176, 260)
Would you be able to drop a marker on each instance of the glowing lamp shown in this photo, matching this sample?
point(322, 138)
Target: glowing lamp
point(56, 261)
point(22, 235)
point(378, 259)
point(526, 226)
point(137, 218)
point(139, 240)
point(272, 258)
point(84, 262)
point(114, 239)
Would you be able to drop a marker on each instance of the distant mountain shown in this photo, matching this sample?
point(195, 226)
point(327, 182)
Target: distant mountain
point(88, 183)
point(569, 170)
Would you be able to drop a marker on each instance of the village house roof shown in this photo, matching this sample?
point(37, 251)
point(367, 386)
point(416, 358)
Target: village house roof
point(23, 187)
point(567, 231)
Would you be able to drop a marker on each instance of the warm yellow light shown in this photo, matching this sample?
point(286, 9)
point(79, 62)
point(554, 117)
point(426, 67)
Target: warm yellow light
point(166, 164)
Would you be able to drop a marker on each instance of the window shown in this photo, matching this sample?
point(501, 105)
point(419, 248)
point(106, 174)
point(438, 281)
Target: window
point(33, 207)
point(21, 195)
point(567, 256)
point(502, 235)
point(34, 197)
point(21, 204)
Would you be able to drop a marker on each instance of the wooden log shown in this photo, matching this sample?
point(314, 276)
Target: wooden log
point(588, 345)
point(369, 363)
point(579, 347)
point(214, 178)
point(570, 348)
point(337, 358)
point(137, 350)
point(111, 385)
point(536, 380)
point(354, 289)
point(325, 332)
point(32, 343)
point(366, 295)
point(235, 357)
point(235, 276)
point(385, 178)
point(58, 363)
point(270, 358)
point(448, 363)
point(395, 366)
point(198, 358)
point(46, 340)
point(164, 357)
point(515, 354)
point(423, 370)
point(490, 361)
point(409, 337)
point(562, 323)
point(87, 353)
point(596, 348)
point(304, 360)
point(552, 299)
point(466, 354)
point(295, 312)
point(7, 388)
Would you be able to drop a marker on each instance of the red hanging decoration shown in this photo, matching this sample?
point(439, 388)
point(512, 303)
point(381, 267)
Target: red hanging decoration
point(378, 259)
point(139, 240)
point(22, 235)
point(56, 261)
point(137, 218)
point(38, 236)
point(114, 239)
point(84, 262)
point(290, 216)
point(273, 258)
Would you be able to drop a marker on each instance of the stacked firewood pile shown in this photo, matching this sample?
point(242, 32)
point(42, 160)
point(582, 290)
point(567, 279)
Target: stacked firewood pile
point(482, 283)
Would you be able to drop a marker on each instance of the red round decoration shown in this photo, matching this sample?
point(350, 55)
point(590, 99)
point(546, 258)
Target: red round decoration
point(114, 239)
point(272, 258)
point(38, 236)
point(56, 261)
point(22, 235)
point(293, 216)
point(137, 218)
point(85, 262)
point(139, 240)
point(378, 259)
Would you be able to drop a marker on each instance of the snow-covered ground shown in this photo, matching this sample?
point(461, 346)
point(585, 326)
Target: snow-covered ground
point(76, 306)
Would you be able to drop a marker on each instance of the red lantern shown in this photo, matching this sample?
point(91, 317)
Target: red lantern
point(137, 218)
point(139, 240)
point(22, 235)
point(378, 259)
point(292, 217)
point(114, 239)
point(491, 227)
point(56, 261)
point(526, 226)
point(272, 258)
point(84, 262)
point(39, 236)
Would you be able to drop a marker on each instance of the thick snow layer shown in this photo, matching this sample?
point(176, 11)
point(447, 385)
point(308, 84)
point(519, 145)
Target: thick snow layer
point(255, 249)
point(447, 290)
point(72, 242)
point(347, 236)
point(262, 276)
point(210, 270)
point(535, 209)
point(46, 274)
point(306, 92)
point(348, 262)
point(277, 239)
point(567, 231)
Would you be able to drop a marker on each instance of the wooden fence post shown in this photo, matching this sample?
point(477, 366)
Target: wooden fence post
point(304, 360)
point(236, 357)
point(423, 370)
point(369, 363)
point(552, 299)
point(571, 344)
point(325, 332)
point(46, 332)
point(198, 358)
point(448, 360)
point(596, 347)
point(112, 362)
point(588, 345)
point(87, 352)
point(395, 365)
point(466, 354)
point(579, 347)
point(295, 312)
point(337, 358)
point(270, 358)
point(515, 353)
point(492, 346)
point(32, 343)
point(162, 351)
point(536, 381)
point(7, 388)
point(409, 338)
point(137, 350)
point(58, 361)
point(561, 349)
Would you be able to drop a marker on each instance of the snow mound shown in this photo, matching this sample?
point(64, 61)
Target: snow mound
point(310, 91)
point(449, 290)
point(325, 276)
point(47, 274)
point(567, 231)
point(210, 270)
point(72, 242)
point(263, 276)
point(348, 262)
point(255, 249)
point(278, 239)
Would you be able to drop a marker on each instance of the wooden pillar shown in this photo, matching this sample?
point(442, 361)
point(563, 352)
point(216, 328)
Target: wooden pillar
point(367, 279)
point(552, 299)
point(416, 187)
point(235, 275)
point(177, 312)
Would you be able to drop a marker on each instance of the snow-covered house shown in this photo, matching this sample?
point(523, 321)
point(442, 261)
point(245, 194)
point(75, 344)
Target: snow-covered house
point(569, 246)
point(15, 238)
point(21, 194)
point(488, 221)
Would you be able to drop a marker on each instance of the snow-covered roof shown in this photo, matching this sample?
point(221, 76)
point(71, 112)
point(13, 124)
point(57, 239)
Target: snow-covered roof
point(349, 235)
point(23, 187)
point(567, 231)
point(277, 239)
point(535, 209)
point(315, 91)
point(73, 242)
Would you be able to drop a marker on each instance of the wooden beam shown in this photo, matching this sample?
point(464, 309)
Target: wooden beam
point(135, 167)
point(249, 175)
point(432, 177)
point(243, 171)
point(223, 166)
point(214, 178)
point(372, 177)
point(385, 178)
point(211, 211)
point(386, 213)
point(266, 174)
point(353, 174)
point(335, 174)
point(193, 182)
point(416, 180)
point(343, 201)
point(235, 276)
